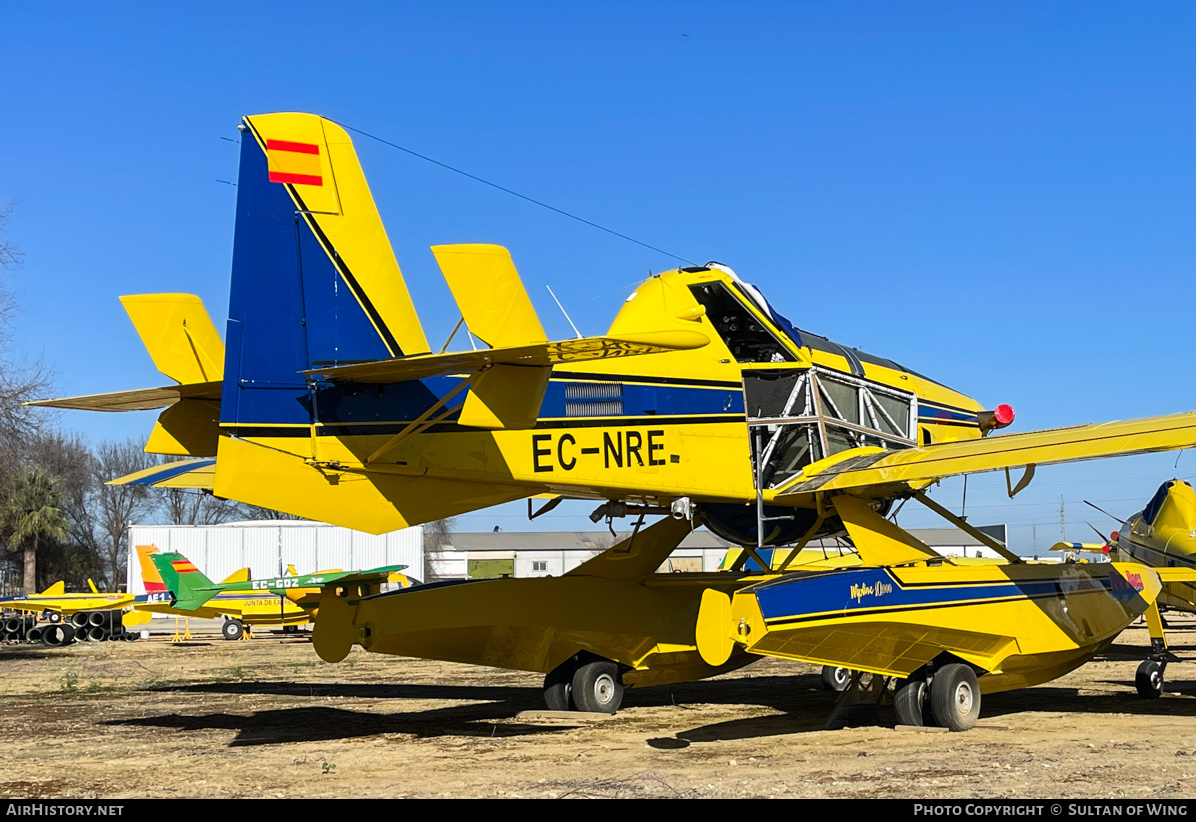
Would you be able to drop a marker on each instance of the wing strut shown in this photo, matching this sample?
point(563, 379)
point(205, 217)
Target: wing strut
point(963, 525)
point(423, 422)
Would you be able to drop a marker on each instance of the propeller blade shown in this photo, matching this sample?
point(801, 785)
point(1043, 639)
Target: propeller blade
point(1098, 533)
point(1103, 511)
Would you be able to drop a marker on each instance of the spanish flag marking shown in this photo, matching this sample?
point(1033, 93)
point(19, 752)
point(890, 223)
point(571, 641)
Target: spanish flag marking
point(295, 163)
point(184, 567)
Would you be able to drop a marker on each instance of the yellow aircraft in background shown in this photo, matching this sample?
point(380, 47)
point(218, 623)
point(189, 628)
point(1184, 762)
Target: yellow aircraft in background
point(241, 609)
point(55, 605)
point(90, 615)
point(701, 403)
point(1163, 534)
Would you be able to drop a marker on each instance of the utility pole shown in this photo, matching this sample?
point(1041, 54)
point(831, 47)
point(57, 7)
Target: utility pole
point(1062, 528)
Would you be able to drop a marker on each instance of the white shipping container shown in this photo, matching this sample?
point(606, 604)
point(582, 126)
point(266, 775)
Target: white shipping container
point(219, 550)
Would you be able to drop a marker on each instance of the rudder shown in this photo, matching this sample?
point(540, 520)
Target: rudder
point(314, 280)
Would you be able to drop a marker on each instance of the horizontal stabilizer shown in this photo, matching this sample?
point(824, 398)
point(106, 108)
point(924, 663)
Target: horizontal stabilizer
point(879, 472)
point(1081, 547)
point(402, 369)
point(195, 474)
point(142, 399)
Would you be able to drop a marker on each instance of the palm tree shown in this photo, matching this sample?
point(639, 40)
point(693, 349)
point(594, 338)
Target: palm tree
point(31, 514)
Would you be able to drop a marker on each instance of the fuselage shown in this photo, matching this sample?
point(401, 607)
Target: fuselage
point(1163, 534)
point(646, 429)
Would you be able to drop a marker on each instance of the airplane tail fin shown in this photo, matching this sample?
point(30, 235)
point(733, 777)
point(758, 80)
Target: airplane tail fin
point(57, 589)
point(187, 583)
point(314, 279)
point(240, 575)
point(150, 578)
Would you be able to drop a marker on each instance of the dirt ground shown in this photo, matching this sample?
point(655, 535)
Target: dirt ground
point(267, 718)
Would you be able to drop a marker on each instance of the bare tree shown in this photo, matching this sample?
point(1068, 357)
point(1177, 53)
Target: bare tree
point(258, 512)
point(26, 442)
point(185, 506)
point(10, 255)
point(438, 537)
point(101, 513)
point(19, 380)
point(194, 507)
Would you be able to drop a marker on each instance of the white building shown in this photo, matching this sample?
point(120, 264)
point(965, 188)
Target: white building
point(266, 545)
point(484, 555)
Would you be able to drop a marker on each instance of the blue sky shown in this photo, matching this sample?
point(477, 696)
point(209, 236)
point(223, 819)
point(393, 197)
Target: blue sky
point(997, 195)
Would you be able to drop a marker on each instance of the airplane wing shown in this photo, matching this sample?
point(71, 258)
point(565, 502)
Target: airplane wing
point(32, 607)
point(402, 369)
point(883, 473)
point(1167, 575)
point(142, 399)
point(310, 588)
point(195, 474)
point(380, 574)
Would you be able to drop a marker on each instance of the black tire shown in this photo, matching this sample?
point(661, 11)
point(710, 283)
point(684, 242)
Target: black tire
point(232, 629)
point(910, 702)
point(597, 687)
point(955, 697)
point(558, 688)
point(835, 679)
point(54, 617)
point(1149, 680)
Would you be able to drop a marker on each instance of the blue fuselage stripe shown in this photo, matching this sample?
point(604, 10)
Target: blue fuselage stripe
point(866, 590)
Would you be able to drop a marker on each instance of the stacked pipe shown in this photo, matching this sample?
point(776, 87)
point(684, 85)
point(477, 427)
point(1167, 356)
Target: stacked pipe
point(58, 634)
point(82, 626)
point(16, 628)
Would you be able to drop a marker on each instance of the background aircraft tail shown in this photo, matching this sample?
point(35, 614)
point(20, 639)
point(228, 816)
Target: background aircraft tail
point(314, 279)
point(190, 587)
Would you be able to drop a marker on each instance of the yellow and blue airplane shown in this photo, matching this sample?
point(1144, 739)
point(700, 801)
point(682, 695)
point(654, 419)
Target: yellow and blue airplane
point(240, 609)
point(56, 605)
point(701, 402)
point(1163, 534)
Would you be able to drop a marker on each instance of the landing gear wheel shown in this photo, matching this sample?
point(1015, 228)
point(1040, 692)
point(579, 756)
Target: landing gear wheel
point(955, 697)
point(909, 700)
point(835, 679)
point(232, 629)
point(1149, 680)
point(598, 687)
point(558, 687)
point(54, 617)
point(290, 629)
